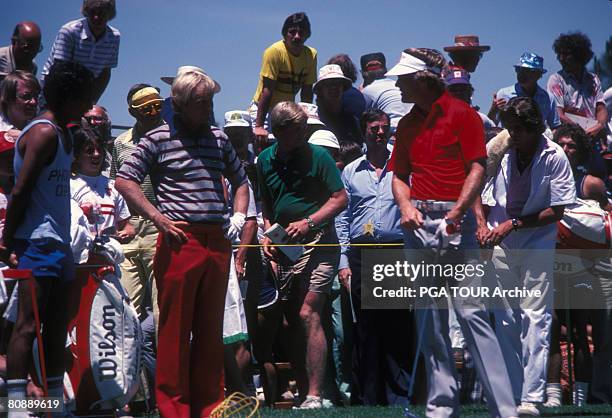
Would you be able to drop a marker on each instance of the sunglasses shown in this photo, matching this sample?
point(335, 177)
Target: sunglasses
point(151, 109)
point(28, 97)
point(374, 129)
point(95, 120)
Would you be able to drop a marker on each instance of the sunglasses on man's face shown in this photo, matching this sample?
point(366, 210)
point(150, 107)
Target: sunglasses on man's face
point(28, 97)
point(374, 129)
point(151, 109)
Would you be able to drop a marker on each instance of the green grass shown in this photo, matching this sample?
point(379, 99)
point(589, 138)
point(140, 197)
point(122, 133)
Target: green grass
point(599, 411)
point(466, 411)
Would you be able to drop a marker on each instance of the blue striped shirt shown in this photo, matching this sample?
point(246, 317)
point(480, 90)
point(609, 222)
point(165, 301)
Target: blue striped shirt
point(371, 205)
point(75, 42)
point(186, 173)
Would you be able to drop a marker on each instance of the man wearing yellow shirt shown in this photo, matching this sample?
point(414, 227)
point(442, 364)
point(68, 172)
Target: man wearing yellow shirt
point(287, 67)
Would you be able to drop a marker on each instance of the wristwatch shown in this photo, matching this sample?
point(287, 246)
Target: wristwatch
point(515, 224)
point(311, 223)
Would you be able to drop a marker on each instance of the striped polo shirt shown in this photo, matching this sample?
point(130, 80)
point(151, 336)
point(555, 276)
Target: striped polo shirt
point(186, 173)
point(75, 42)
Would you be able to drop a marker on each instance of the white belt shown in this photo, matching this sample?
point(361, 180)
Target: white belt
point(432, 205)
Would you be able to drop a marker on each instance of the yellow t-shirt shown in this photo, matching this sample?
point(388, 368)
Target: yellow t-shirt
point(289, 71)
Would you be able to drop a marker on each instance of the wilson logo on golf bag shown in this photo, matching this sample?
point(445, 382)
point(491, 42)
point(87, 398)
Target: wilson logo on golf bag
point(106, 342)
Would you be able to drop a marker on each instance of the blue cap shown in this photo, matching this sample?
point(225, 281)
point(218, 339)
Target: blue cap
point(531, 61)
point(457, 75)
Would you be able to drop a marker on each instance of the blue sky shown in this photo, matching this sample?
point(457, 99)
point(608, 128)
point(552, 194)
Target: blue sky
point(227, 38)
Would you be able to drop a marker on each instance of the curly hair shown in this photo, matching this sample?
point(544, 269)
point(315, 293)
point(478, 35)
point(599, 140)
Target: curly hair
point(67, 81)
point(434, 59)
point(525, 112)
point(576, 44)
point(348, 67)
point(580, 137)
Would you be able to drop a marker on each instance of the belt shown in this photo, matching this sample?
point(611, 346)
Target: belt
point(432, 205)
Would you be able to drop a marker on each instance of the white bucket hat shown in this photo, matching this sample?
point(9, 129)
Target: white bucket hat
point(331, 72)
point(324, 138)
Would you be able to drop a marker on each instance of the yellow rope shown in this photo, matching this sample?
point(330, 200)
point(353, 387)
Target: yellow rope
point(318, 245)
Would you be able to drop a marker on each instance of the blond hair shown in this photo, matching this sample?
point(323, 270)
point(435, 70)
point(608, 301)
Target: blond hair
point(287, 113)
point(184, 86)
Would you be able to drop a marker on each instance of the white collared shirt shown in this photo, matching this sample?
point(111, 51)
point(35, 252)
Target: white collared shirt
point(552, 184)
point(75, 42)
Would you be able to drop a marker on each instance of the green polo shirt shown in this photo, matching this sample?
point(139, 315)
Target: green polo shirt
point(299, 187)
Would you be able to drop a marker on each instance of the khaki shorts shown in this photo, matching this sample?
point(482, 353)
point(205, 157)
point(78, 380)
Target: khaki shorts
point(314, 271)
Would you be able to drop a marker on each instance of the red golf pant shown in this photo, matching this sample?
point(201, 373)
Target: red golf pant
point(191, 282)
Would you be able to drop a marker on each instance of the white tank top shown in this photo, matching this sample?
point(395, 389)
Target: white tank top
point(48, 215)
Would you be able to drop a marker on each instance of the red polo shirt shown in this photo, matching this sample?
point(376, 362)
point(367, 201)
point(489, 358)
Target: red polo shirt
point(435, 149)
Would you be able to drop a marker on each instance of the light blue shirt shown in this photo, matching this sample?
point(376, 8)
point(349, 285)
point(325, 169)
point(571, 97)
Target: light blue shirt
point(370, 203)
point(48, 214)
point(75, 42)
point(382, 94)
point(542, 98)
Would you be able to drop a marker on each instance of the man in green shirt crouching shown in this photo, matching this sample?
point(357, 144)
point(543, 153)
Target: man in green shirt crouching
point(301, 190)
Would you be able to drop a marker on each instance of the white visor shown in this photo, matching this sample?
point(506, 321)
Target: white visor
point(409, 64)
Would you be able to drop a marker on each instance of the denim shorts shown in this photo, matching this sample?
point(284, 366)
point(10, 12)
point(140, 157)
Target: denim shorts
point(46, 257)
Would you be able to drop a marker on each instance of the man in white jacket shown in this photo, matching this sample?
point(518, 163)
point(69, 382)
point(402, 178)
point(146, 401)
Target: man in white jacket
point(522, 204)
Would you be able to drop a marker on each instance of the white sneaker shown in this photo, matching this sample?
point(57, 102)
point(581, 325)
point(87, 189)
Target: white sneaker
point(528, 408)
point(552, 403)
point(311, 402)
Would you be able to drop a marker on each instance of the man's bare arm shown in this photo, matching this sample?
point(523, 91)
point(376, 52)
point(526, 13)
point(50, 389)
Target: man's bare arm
point(471, 189)
point(241, 198)
point(40, 147)
point(411, 217)
point(306, 94)
point(333, 206)
point(135, 198)
point(263, 105)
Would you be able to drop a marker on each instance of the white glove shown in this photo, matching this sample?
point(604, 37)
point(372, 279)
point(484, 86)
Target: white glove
point(236, 223)
point(446, 236)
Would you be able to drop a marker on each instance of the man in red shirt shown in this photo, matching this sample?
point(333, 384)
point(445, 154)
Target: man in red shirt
point(438, 163)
